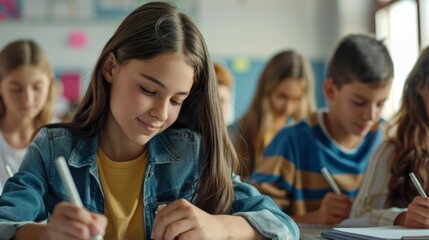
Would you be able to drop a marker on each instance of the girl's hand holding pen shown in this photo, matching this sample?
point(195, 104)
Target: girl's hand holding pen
point(417, 215)
point(72, 222)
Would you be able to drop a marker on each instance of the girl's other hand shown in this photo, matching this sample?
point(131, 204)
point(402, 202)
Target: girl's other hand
point(71, 222)
point(181, 219)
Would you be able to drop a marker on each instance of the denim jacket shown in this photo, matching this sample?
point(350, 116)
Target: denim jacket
point(174, 163)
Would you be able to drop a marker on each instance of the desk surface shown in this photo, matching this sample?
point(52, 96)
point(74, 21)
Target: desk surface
point(312, 232)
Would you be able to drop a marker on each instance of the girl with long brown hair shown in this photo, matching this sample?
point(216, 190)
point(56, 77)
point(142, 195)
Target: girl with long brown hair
point(388, 196)
point(148, 133)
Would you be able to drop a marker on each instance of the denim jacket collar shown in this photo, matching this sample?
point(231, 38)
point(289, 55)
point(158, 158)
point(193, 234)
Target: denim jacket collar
point(160, 152)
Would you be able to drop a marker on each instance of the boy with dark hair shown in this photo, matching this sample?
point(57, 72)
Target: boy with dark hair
point(341, 138)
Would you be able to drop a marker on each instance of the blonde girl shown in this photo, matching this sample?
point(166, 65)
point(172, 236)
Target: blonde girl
point(26, 101)
point(284, 95)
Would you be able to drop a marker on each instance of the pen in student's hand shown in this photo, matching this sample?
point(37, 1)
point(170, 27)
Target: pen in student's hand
point(330, 180)
point(417, 185)
point(160, 207)
point(67, 180)
point(8, 170)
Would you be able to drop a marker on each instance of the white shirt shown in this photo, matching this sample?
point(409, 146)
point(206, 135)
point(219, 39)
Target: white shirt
point(372, 195)
point(11, 157)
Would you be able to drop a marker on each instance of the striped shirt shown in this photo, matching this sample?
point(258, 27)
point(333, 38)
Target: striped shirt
point(290, 171)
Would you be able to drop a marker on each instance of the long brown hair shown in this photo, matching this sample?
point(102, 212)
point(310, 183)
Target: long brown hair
point(28, 53)
point(410, 128)
point(151, 30)
point(259, 118)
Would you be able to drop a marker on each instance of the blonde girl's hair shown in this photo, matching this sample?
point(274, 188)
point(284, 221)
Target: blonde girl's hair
point(259, 118)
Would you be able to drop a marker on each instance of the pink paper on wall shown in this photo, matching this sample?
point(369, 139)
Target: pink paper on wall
point(77, 39)
point(71, 85)
point(9, 10)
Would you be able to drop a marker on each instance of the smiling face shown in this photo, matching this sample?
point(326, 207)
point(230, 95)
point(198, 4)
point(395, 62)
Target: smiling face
point(24, 92)
point(355, 107)
point(146, 95)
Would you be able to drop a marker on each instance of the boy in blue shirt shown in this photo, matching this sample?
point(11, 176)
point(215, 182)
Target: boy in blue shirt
point(340, 138)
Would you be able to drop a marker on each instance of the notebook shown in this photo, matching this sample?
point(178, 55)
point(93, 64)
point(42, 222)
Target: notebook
point(376, 233)
point(313, 231)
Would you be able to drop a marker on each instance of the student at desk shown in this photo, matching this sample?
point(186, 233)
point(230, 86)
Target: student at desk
point(387, 196)
point(149, 132)
point(284, 95)
point(26, 101)
point(341, 138)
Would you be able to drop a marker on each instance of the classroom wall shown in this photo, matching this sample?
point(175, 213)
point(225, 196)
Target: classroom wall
point(239, 33)
point(312, 27)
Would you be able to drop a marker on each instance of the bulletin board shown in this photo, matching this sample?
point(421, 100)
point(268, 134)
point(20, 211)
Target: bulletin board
point(10, 10)
point(80, 10)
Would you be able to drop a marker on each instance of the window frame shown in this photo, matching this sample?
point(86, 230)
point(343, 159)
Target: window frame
point(380, 4)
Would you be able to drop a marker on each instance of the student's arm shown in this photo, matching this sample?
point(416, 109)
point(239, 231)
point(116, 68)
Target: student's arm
point(27, 199)
point(181, 218)
point(254, 216)
point(373, 192)
point(278, 195)
point(23, 199)
point(262, 213)
point(333, 209)
point(68, 221)
point(31, 231)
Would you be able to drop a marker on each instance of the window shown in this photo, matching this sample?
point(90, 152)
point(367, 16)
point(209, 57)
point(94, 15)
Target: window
point(397, 23)
point(424, 22)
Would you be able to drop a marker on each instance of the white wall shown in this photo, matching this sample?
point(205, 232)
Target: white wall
point(231, 27)
point(53, 38)
point(260, 28)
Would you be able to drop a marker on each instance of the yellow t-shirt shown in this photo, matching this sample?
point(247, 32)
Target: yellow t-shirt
point(122, 184)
